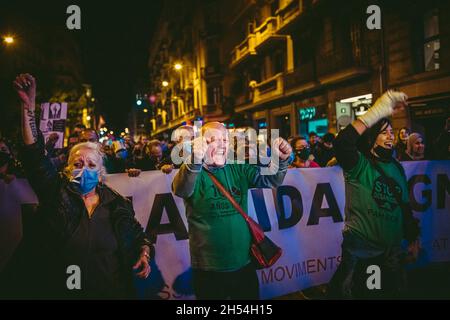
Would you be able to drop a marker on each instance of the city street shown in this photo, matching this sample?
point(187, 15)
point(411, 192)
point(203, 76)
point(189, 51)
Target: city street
point(225, 150)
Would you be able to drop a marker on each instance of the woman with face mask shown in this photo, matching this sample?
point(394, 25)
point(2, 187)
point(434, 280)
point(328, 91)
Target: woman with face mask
point(375, 221)
point(302, 154)
point(83, 223)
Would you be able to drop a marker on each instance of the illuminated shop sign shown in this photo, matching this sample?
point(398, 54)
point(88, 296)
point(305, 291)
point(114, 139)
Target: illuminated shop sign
point(307, 113)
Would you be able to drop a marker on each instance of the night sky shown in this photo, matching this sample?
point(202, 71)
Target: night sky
point(114, 41)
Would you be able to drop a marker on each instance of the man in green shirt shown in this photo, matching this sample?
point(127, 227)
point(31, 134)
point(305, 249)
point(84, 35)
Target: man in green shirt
point(374, 226)
point(219, 238)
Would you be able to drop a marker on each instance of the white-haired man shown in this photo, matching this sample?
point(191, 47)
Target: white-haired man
point(219, 238)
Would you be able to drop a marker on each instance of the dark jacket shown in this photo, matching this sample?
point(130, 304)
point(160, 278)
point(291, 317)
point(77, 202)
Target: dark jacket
point(323, 155)
point(149, 163)
point(400, 150)
point(59, 214)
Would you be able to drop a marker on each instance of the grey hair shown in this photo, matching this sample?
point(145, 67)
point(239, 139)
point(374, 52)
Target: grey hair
point(94, 147)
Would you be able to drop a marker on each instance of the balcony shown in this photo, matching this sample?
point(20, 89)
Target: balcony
point(288, 12)
point(267, 37)
point(266, 32)
point(243, 51)
point(269, 88)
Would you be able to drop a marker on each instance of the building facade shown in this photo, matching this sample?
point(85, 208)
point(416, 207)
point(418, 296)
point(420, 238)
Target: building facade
point(185, 68)
point(300, 65)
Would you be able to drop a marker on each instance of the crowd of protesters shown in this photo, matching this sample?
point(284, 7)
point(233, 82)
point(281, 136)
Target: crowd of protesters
point(76, 172)
point(125, 155)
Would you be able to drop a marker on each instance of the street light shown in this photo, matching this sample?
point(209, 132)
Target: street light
point(88, 118)
point(145, 110)
point(178, 66)
point(8, 40)
point(165, 83)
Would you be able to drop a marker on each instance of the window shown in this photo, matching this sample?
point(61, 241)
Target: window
point(214, 95)
point(277, 59)
point(431, 43)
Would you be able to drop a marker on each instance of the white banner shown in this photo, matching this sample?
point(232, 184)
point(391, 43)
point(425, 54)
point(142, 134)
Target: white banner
point(304, 216)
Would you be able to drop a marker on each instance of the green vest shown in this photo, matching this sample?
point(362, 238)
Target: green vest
point(371, 210)
point(219, 238)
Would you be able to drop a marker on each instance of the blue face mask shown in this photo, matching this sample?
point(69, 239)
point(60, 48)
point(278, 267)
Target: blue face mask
point(85, 179)
point(122, 154)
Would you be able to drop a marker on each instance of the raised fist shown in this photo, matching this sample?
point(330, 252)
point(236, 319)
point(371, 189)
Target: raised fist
point(283, 148)
point(25, 86)
point(199, 148)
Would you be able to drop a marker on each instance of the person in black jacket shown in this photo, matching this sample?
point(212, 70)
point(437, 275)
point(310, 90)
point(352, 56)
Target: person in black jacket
point(325, 150)
point(82, 222)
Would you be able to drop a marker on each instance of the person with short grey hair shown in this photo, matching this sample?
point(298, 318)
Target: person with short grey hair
point(83, 222)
